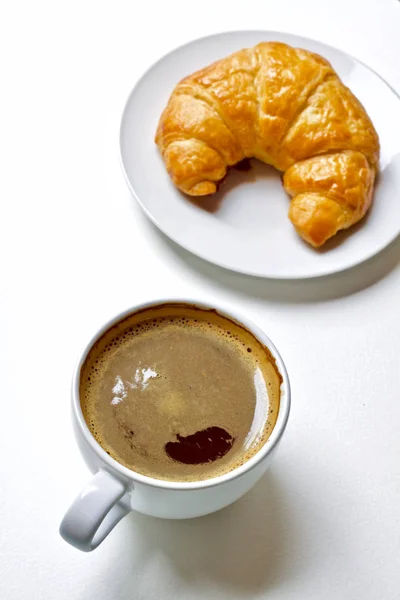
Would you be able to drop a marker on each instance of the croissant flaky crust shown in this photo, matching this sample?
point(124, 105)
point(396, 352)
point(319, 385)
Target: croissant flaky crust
point(288, 108)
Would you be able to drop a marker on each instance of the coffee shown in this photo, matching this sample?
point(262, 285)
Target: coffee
point(180, 393)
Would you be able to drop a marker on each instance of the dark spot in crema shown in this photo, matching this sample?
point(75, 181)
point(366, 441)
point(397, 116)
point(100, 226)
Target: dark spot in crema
point(243, 165)
point(249, 350)
point(204, 446)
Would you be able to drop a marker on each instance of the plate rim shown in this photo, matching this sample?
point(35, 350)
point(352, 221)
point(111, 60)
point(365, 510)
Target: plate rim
point(220, 264)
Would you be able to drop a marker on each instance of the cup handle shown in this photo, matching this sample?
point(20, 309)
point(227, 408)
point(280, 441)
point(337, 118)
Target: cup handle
point(95, 512)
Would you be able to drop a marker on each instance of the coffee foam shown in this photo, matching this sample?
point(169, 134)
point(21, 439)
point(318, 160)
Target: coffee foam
point(147, 324)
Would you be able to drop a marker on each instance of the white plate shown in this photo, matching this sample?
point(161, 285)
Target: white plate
point(246, 228)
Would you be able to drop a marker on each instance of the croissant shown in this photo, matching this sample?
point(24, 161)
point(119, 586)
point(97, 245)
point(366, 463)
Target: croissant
point(288, 108)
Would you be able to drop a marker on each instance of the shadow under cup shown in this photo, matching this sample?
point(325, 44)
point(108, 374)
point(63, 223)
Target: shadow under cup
point(116, 489)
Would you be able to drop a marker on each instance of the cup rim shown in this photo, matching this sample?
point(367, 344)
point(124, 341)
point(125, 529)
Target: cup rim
point(135, 477)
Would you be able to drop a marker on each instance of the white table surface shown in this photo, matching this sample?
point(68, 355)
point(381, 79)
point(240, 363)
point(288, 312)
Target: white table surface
point(324, 523)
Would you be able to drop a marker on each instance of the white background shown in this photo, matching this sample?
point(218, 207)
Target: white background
point(324, 523)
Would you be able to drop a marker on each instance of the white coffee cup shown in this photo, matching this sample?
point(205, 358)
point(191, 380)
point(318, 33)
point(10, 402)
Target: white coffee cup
point(115, 490)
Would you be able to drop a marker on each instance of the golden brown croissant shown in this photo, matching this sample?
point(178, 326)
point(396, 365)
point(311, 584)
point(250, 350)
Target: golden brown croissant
point(286, 107)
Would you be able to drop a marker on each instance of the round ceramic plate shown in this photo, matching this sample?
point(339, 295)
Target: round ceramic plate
point(244, 227)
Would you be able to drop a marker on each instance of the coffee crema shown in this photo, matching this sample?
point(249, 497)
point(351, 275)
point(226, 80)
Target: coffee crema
point(180, 393)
